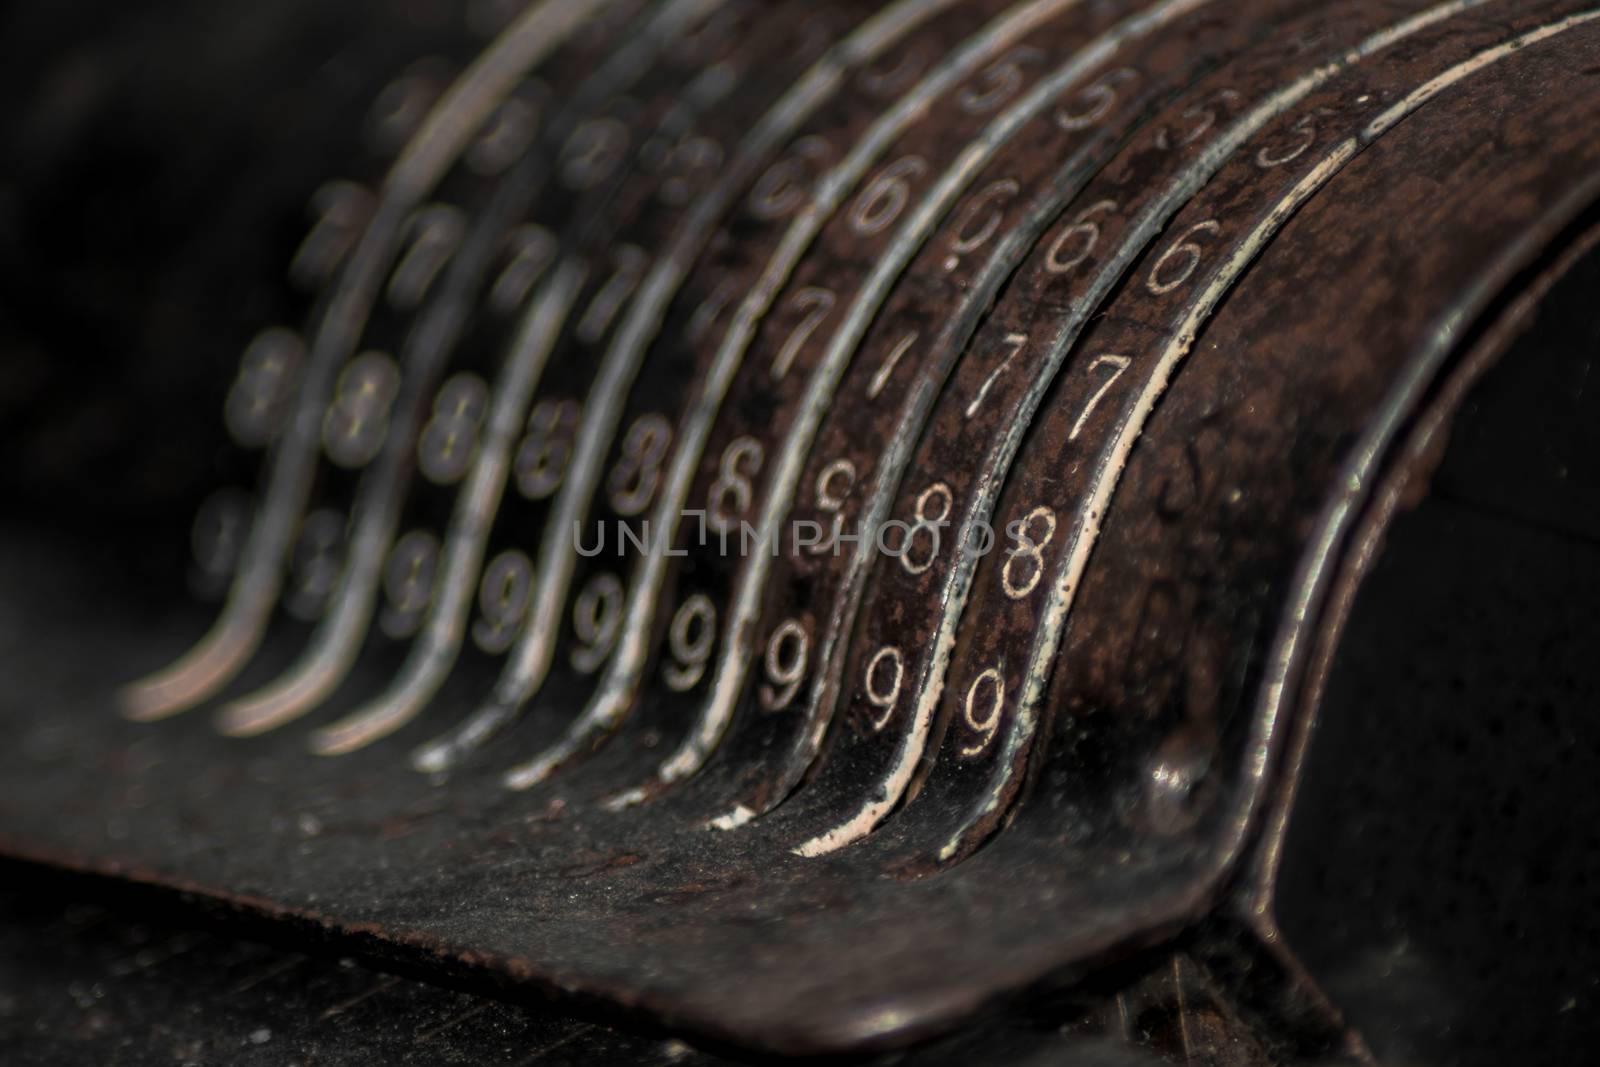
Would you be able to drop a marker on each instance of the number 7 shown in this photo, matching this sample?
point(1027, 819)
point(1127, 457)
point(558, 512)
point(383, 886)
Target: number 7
point(1121, 364)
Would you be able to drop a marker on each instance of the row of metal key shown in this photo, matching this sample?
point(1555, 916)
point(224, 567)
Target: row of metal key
point(648, 288)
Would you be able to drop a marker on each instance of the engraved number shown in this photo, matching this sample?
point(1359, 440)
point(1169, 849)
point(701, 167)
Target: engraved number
point(596, 618)
point(341, 209)
point(629, 261)
point(436, 232)
point(408, 582)
point(530, 249)
point(883, 678)
point(355, 423)
point(503, 599)
point(1179, 262)
point(1118, 364)
point(998, 82)
point(992, 702)
point(730, 494)
point(1305, 135)
point(542, 456)
point(218, 535)
point(638, 470)
point(316, 564)
point(1077, 242)
point(816, 302)
point(506, 135)
point(450, 438)
point(929, 523)
point(783, 187)
point(833, 487)
point(258, 399)
point(881, 202)
point(1095, 101)
point(689, 639)
point(787, 653)
point(1014, 343)
point(1029, 551)
point(970, 237)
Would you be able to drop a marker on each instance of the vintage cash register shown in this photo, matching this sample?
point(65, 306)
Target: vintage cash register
point(692, 531)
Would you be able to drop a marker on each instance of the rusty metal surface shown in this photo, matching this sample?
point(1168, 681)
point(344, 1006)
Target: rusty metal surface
point(126, 983)
point(1170, 297)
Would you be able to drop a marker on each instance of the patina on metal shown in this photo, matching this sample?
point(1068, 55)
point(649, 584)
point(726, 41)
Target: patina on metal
point(1011, 430)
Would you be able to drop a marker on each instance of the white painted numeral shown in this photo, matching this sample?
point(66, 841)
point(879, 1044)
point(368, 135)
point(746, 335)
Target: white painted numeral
point(503, 599)
point(689, 639)
point(926, 523)
point(1028, 551)
point(731, 493)
point(354, 426)
point(436, 232)
point(408, 583)
point(541, 460)
point(816, 302)
point(884, 675)
point(638, 470)
point(449, 439)
point(1014, 343)
point(998, 82)
point(1179, 262)
point(1118, 364)
point(596, 618)
point(984, 725)
point(881, 202)
point(1076, 243)
point(787, 653)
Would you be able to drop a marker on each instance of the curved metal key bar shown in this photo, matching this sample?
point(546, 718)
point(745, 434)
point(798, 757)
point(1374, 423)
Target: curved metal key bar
point(1132, 207)
point(621, 370)
point(375, 514)
point(776, 194)
point(616, 692)
point(1181, 439)
point(784, 384)
point(656, 389)
point(854, 468)
point(1207, 497)
point(789, 646)
point(1006, 648)
point(677, 159)
point(548, 362)
point(772, 385)
point(233, 639)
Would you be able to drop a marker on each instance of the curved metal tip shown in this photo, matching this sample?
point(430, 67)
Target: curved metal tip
point(739, 816)
point(362, 727)
point(538, 769)
point(281, 702)
point(446, 752)
point(193, 678)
